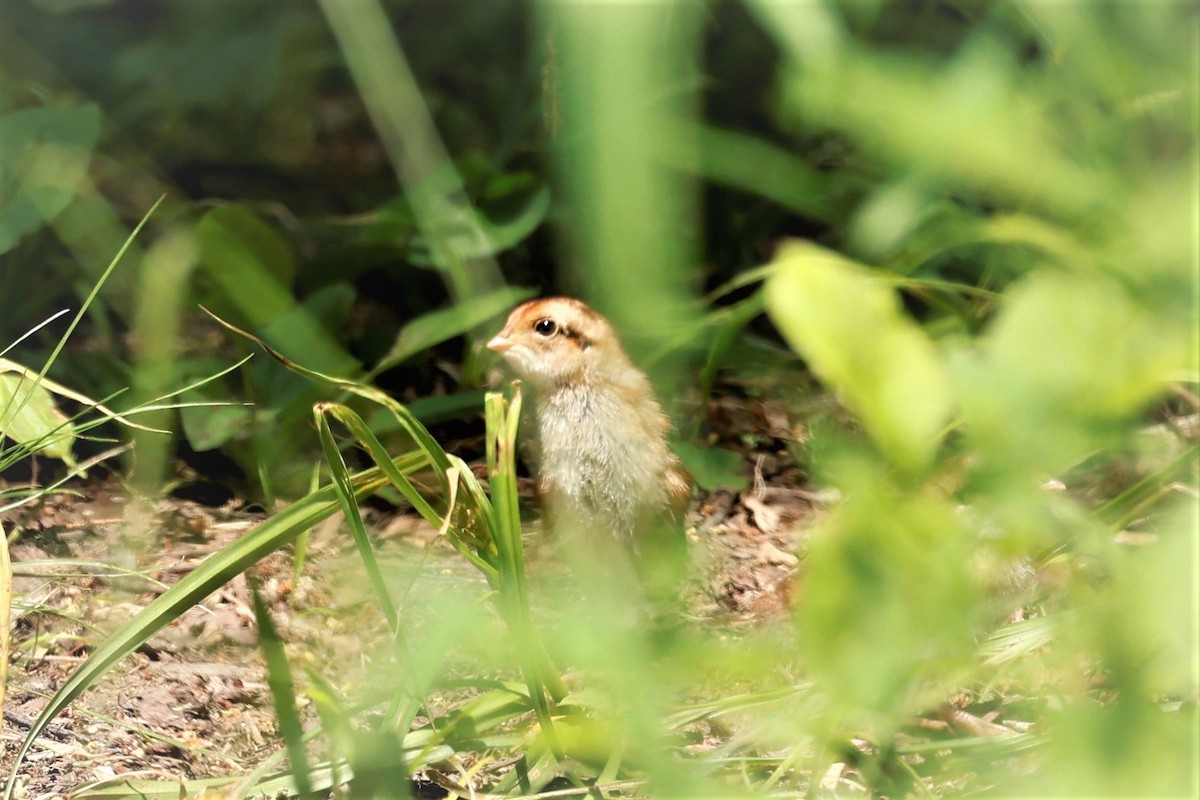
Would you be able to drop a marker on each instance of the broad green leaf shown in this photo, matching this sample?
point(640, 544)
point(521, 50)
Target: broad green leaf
point(310, 329)
point(208, 428)
point(473, 235)
point(713, 466)
point(965, 122)
point(884, 611)
point(249, 260)
point(44, 156)
point(505, 234)
point(438, 326)
point(29, 417)
point(1085, 343)
point(1069, 356)
point(252, 267)
point(751, 165)
point(848, 325)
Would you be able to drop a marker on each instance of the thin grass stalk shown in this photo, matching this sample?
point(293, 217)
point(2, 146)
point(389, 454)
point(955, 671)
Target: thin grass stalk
point(545, 687)
point(80, 423)
point(68, 429)
point(378, 453)
point(6, 596)
point(283, 692)
point(334, 721)
point(213, 572)
point(432, 184)
point(32, 331)
point(406, 705)
point(300, 551)
point(404, 418)
point(10, 455)
point(78, 470)
point(345, 494)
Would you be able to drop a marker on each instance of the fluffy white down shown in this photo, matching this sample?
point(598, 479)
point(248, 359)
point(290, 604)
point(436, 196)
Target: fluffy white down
point(602, 461)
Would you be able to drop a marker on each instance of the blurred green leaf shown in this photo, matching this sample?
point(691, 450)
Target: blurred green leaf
point(713, 466)
point(236, 240)
point(967, 122)
point(848, 325)
point(1130, 747)
point(252, 266)
point(210, 428)
point(1084, 344)
point(887, 608)
point(1067, 359)
point(434, 189)
point(283, 691)
point(750, 164)
point(215, 55)
point(311, 328)
point(436, 327)
point(43, 160)
point(473, 234)
point(511, 231)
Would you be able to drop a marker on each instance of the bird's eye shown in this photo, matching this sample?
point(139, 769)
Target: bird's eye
point(546, 327)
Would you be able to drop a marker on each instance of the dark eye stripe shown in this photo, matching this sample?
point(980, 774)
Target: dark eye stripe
point(577, 337)
point(547, 327)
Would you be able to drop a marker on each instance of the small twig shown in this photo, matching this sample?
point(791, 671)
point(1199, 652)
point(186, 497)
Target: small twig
point(54, 728)
point(975, 725)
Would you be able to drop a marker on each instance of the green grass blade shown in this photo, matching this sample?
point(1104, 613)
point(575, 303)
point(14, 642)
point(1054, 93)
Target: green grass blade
point(1120, 511)
point(432, 184)
point(379, 454)
point(283, 692)
point(750, 165)
point(465, 727)
point(212, 573)
point(324, 777)
point(501, 440)
point(479, 546)
point(438, 326)
point(408, 422)
point(503, 417)
point(346, 498)
point(475, 546)
point(62, 342)
point(6, 604)
point(99, 284)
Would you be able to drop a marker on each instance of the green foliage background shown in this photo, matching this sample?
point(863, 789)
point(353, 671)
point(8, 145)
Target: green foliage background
point(974, 222)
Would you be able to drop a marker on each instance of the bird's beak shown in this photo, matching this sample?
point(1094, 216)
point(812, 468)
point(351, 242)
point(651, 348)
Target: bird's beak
point(499, 343)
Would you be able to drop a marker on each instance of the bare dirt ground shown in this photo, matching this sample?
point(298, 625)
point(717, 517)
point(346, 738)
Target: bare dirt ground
point(194, 701)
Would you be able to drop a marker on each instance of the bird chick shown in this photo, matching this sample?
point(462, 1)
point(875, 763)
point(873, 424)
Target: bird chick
point(604, 464)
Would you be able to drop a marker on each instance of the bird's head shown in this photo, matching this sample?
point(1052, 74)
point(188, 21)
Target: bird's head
point(558, 340)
